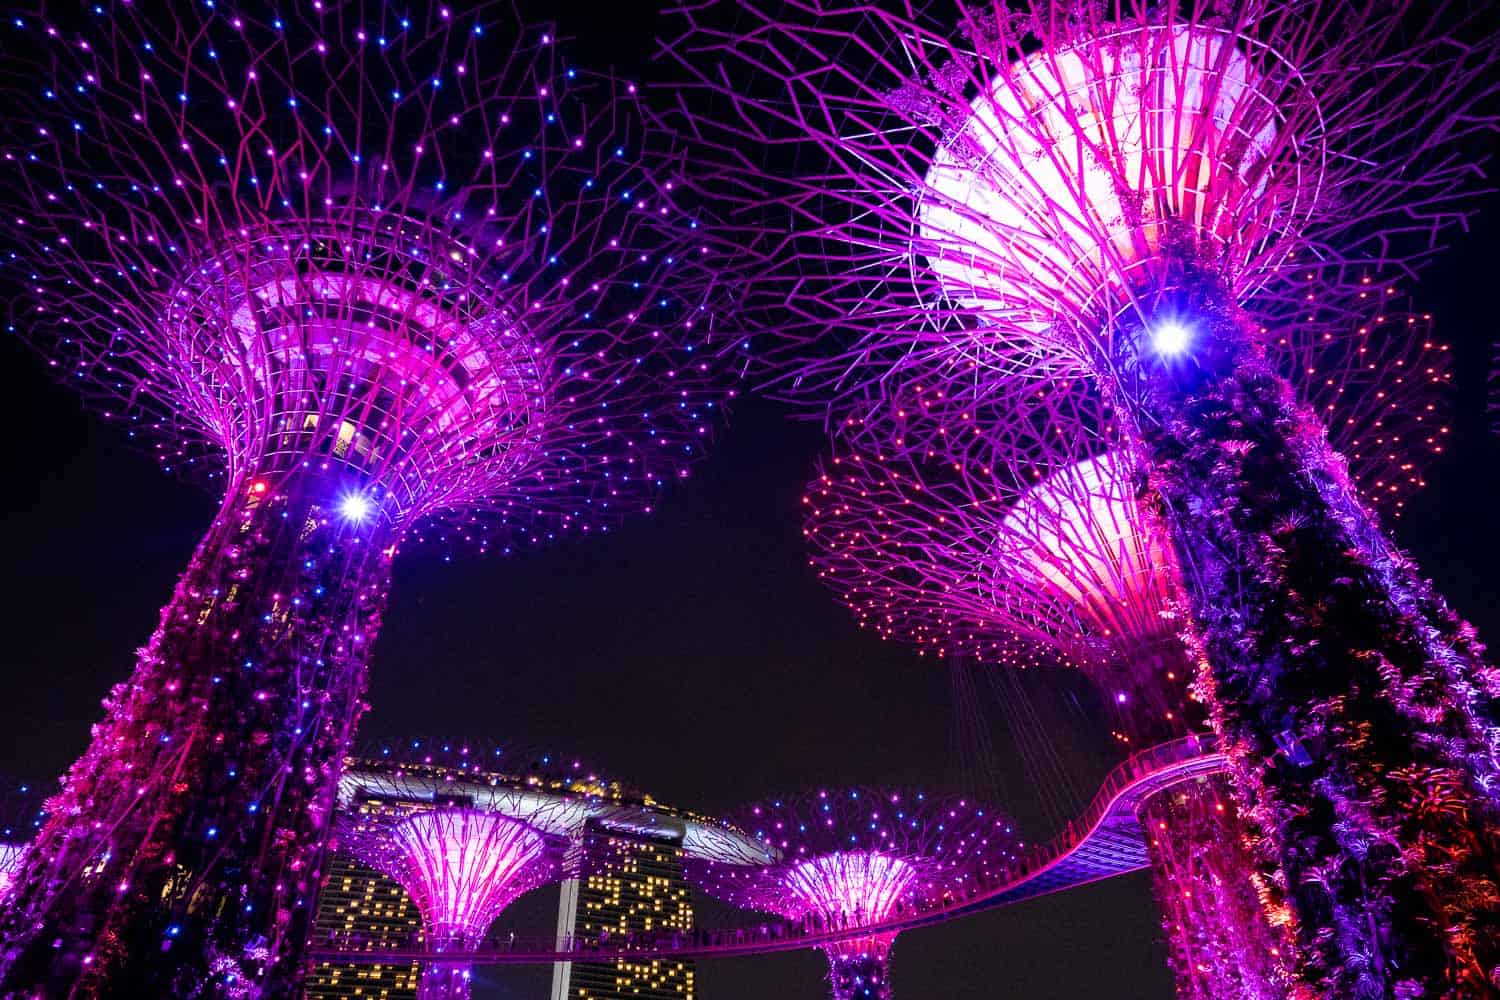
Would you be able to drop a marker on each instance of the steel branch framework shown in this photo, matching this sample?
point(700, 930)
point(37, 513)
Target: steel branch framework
point(1104, 841)
point(862, 857)
point(22, 812)
point(989, 195)
point(466, 827)
point(1032, 543)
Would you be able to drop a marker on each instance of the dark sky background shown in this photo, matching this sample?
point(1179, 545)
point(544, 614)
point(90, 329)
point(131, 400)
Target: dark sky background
point(691, 653)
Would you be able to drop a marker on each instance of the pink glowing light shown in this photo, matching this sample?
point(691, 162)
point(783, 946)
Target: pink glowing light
point(971, 198)
point(462, 867)
point(1023, 210)
point(1078, 540)
point(973, 212)
point(863, 887)
point(461, 864)
point(855, 858)
point(1219, 941)
point(1032, 539)
point(430, 387)
point(966, 564)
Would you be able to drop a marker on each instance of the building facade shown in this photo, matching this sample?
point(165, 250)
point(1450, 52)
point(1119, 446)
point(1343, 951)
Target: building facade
point(359, 907)
point(636, 885)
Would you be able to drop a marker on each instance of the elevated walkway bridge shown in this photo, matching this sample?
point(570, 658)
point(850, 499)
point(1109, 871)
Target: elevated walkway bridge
point(1105, 841)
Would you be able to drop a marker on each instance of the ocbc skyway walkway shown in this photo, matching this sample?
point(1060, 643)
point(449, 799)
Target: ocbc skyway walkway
point(1107, 840)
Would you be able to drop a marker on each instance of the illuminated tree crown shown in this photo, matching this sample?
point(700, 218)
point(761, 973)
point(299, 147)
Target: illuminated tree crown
point(423, 248)
point(860, 852)
point(942, 202)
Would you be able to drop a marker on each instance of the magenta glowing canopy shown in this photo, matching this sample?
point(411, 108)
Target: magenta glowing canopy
point(1032, 538)
point(924, 555)
point(461, 865)
point(952, 200)
point(22, 811)
point(858, 854)
point(1075, 165)
point(375, 274)
point(857, 858)
point(11, 856)
point(432, 252)
point(466, 829)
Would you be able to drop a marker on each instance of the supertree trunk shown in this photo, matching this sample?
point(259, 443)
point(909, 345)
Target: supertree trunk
point(183, 854)
point(1221, 944)
point(445, 981)
point(449, 980)
point(1355, 706)
point(860, 970)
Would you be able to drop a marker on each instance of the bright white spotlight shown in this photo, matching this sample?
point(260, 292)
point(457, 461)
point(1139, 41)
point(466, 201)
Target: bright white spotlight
point(355, 507)
point(1171, 337)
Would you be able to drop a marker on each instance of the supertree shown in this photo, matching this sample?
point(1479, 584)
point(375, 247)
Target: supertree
point(1038, 549)
point(376, 275)
point(463, 852)
point(1143, 196)
point(466, 828)
point(848, 859)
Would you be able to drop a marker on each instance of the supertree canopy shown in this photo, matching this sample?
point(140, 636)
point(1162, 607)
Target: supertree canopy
point(1031, 545)
point(462, 849)
point(1145, 197)
point(857, 858)
point(374, 274)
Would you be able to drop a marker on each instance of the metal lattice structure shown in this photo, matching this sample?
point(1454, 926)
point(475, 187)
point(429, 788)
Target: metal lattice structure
point(461, 858)
point(1034, 543)
point(1105, 840)
point(1070, 568)
point(374, 276)
point(862, 857)
point(989, 195)
point(1146, 200)
point(1220, 941)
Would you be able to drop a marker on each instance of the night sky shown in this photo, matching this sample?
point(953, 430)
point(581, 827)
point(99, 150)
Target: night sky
point(691, 653)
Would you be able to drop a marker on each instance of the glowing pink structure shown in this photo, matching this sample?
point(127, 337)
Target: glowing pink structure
point(466, 832)
point(1146, 197)
point(858, 857)
point(377, 277)
point(461, 865)
point(11, 856)
point(1031, 544)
